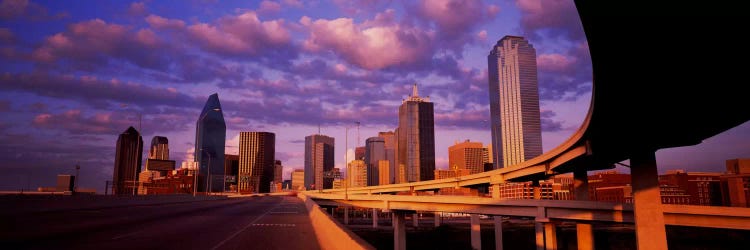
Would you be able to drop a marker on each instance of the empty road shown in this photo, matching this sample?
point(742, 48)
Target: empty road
point(269, 222)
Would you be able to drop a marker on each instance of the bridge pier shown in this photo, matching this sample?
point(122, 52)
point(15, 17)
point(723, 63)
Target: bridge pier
point(437, 219)
point(495, 191)
point(399, 230)
point(498, 232)
point(539, 235)
point(346, 215)
point(476, 238)
point(374, 218)
point(584, 231)
point(650, 232)
point(415, 217)
point(550, 236)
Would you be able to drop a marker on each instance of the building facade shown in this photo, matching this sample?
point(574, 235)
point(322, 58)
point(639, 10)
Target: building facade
point(257, 162)
point(389, 140)
point(298, 179)
point(514, 102)
point(231, 170)
point(467, 155)
point(357, 173)
point(278, 170)
point(159, 148)
point(210, 138)
point(374, 153)
point(416, 138)
point(127, 161)
point(384, 172)
point(318, 161)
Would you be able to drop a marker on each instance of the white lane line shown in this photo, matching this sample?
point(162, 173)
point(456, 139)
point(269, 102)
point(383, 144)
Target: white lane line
point(244, 228)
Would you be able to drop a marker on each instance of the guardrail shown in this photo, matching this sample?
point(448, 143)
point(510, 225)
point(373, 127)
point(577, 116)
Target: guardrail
point(329, 232)
point(545, 210)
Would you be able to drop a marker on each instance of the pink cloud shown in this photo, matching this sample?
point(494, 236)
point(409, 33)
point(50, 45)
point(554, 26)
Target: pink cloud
point(555, 62)
point(293, 3)
point(368, 45)
point(76, 123)
point(137, 9)
point(559, 16)
point(268, 7)
point(6, 36)
point(10, 9)
point(158, 22)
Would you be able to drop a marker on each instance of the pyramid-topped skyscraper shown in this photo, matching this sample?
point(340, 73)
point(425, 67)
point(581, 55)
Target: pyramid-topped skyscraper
point(210, 137)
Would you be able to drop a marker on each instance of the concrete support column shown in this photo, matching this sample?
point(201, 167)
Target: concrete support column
point(374, 218)
point(495, 191)
point(498, 232)
point(550, 236)
point(537, 190)
point(437, 219)
point(539, 235)
point(415, 217)
point(650, 232)
point(346, 215)
point(585, 235)
point(476, 239)
point(584, 231)
point(399, 230)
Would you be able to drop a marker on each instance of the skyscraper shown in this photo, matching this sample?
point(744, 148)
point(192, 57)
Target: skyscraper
point(210, 136)
point(374, 152)
point(127, 161)
point(159, 148)
point(467, 155)
point(514, 102)
point(390, 154)
point(257, 163)
point(318, 161)
point(158, 157)
point(278, 170)
point(298, 179)
point(416, 138)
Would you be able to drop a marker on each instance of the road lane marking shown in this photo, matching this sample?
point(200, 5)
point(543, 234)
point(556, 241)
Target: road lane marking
point(244, 228)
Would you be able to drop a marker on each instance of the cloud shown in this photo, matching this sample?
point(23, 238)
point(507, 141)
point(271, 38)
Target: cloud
point(138, 9)
point(558, 18)
point(269, 7)
point(357, 7)
point(244, 37)
point(369, 46)
point(548, 123)
point(94, 91)
point(25, 9)
point(6, 36)
point(456, 20)
point(74, 122)
point(555, 62)
point(4, 106)
point(91, 44)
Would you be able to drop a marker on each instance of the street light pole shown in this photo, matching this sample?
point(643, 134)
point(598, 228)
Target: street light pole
point(195, 180)
point(75, 186)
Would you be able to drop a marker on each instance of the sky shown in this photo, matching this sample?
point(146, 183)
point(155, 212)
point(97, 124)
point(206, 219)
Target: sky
point(76, 74)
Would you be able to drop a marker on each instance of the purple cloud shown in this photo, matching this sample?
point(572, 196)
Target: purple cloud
point(25, 9)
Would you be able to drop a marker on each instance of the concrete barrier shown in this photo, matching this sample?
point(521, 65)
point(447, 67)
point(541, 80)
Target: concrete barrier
point(330, 233)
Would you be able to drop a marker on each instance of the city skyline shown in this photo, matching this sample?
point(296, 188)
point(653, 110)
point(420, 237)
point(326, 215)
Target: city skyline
point(81, 73)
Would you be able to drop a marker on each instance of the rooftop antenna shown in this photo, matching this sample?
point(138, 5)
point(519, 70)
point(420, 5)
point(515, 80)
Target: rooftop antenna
point(358, 133)
point(318, 127)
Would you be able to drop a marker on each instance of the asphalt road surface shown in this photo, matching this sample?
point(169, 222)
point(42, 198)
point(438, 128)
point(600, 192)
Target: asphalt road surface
point(269, 222)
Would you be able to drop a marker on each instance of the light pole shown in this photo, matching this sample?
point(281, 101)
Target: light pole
point(195, 179)
point(137, 154)
point(208, 174)
point(75, 186)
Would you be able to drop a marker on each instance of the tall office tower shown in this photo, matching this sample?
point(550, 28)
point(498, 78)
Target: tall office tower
point(390, 154)
point(257, 163)
point(514, 101)
point(210, 136)
point(318, 161)
point(357, 173)
point(278, 170)
point(467, 155)
point(158, 157)
point(416, 138)
point(159, 148)
point(231, 170)
point(374, 152)
point(298, 179)
point(127, 161)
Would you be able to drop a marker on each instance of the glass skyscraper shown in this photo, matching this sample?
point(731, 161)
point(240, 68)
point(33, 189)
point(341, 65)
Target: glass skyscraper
point(127, 161)
point(416, 139)
point(374, 153)
point(159, 148)
point(514, 102)
point(257, 161)
point(210, 136)
point(318, 161)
